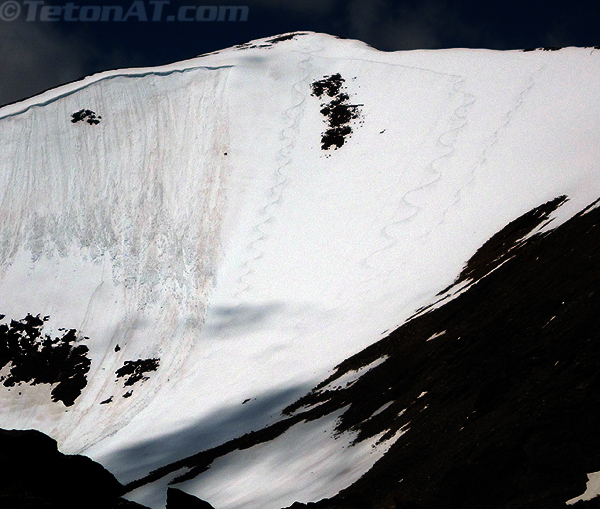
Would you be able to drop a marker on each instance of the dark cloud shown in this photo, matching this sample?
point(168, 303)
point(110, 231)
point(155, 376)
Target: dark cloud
point(410, 24)
point(308, 7)
point(557, 35)
point(34, 57)
point(390, 25)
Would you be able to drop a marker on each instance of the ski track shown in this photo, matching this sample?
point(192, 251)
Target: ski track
point(292, 118)
point(482, 159)
point(435, 175)
point(407, 212)
point(452, 291)
point(460, 114)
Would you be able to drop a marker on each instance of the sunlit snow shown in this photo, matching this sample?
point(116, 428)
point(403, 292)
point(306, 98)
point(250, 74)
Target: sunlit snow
point(200, 222)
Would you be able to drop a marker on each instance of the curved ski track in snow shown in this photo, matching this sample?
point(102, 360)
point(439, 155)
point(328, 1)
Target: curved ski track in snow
point(292, 118)
point(482, 159)
point(453, 291)
point(431, 172)
point(432, 175)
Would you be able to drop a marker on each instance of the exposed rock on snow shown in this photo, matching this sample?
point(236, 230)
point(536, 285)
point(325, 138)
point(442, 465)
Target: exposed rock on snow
point(204, 225)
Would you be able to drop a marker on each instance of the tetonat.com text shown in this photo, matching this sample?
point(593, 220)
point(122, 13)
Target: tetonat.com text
point(139, 10)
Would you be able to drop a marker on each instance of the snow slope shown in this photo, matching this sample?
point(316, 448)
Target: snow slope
point(200, 223)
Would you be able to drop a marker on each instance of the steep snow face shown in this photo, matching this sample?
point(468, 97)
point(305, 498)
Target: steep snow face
point(192, 219)
point(114, 228)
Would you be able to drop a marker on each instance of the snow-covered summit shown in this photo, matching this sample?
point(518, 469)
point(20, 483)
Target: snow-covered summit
point(220, 259)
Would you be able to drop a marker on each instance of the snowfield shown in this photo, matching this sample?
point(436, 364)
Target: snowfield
point(200, 223)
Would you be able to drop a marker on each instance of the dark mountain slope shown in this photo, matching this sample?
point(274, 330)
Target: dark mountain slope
point(496, 392)
point(510, 414)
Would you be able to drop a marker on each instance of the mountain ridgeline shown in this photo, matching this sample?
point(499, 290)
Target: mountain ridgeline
point(304, 273)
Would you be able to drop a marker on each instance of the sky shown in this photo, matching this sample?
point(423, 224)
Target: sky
point(44, 44)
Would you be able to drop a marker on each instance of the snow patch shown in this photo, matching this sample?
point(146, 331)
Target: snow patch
point(592, 489)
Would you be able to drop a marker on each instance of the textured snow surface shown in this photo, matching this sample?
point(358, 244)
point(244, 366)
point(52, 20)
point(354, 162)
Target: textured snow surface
point(592, 489)
point(199, 222)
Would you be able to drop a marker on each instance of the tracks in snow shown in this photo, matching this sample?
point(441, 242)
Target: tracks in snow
point(432, 174)
point(292, 117)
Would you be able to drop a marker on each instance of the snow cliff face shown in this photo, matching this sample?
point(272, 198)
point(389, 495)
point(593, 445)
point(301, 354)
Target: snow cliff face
point(221, 232)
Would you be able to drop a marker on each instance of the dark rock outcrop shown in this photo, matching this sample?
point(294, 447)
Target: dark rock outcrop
point(35, 358)
point(177, 499)
point(84, 115)
point(496, 391)
point(133, 371)
point(34, 474)
point(338, 112)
